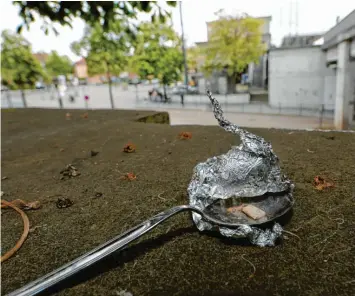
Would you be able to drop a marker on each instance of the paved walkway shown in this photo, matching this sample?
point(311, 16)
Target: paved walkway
point(197, 112)
point(195, 117)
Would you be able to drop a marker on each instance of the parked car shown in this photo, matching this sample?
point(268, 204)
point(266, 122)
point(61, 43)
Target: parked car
point(83, 82)
point(40, 85)
point(134, 81)
point(184, 89)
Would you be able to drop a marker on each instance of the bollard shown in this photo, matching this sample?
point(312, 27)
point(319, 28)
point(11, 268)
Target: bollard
point(137, 97)
point(23, 97)
point(8, 97)
point(182, 99)
point(321, 116)
point(60, 102)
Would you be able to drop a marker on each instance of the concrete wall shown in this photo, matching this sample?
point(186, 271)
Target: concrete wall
point(345, 25)
point(299, 78)
point(352, 48)
point(352, 90)
point(332, 52)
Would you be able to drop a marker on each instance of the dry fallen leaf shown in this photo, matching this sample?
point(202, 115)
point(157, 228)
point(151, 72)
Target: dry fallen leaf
point(85, 115)
point(185, 135)
point(69, 171)
point(68, 116)
point(129, 148)
point(62, 203)
point(129, 177)
point(321, 183)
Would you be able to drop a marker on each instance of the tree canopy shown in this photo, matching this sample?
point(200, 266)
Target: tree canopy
point(19, 68)
point(105, 51)
point(58, 65)
point(234, 43)
point(157, 52)
point(91, 12)
point(193, 57)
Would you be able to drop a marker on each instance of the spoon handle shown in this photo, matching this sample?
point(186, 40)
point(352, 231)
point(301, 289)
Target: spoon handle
point(102, 251)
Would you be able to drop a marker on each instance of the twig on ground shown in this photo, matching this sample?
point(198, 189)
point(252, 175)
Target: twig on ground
point(159, 196)
point(341, 219)
point(307, 222)
point(291, 233)
point(326, 239)
point(320, 215)
point(254, 268)
point(26, 229)
point(107, 140)
point(338, 252)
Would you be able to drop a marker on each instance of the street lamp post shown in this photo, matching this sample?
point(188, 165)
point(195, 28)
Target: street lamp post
point(183, 44)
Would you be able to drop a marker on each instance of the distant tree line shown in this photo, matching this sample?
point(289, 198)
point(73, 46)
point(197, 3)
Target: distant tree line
point(114, 41)
point(20, 69)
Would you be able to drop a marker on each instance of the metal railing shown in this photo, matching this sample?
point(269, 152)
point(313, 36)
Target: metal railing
point(132, 97)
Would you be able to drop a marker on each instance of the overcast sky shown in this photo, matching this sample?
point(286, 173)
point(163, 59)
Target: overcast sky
point(313, 16)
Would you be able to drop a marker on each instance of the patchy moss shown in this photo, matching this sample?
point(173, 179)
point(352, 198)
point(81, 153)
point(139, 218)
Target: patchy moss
point(162, 117)
point(174, 259)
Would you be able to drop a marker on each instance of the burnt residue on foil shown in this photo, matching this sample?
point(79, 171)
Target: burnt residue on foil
point(249, 170)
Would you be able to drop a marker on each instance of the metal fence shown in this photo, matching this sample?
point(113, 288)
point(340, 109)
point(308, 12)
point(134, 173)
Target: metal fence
point(132, 97)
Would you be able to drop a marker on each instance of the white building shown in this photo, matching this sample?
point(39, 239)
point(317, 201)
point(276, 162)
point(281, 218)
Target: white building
point(317, 76)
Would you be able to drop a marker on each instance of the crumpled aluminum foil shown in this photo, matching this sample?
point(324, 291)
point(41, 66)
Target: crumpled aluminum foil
point(248, 170)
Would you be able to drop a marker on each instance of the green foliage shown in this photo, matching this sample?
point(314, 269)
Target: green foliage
point(157, 52)
point(91, 12)
point(105, 51)
point(19, 68)
point(58, 65)
point(234, 43)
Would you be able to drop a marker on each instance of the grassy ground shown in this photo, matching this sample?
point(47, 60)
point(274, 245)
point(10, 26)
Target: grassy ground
point(174, 259)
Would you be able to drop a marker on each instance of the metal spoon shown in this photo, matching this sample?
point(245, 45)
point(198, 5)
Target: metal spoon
point(122, 241)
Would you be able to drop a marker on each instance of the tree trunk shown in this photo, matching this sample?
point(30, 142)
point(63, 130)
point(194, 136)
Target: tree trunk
point(231, 83)
point(110, 90)
point(165, 95)
point(23, 97)
point(60, 100)
point(110, 85)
